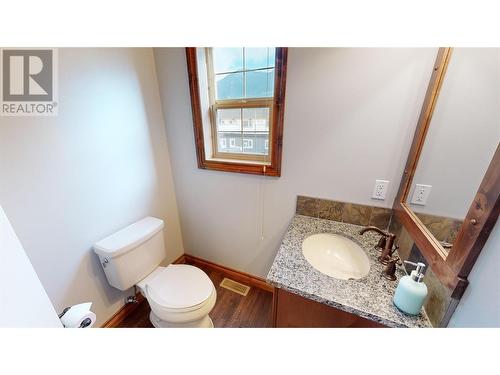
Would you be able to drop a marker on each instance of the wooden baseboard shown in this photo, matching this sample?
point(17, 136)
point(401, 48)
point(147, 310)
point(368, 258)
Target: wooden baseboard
point(239, 276)
point(180, 260)
point(236, 275)
point(124, 311)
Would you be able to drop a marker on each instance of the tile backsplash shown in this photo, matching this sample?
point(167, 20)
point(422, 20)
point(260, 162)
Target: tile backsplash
point(344, 212)
point(443, 228)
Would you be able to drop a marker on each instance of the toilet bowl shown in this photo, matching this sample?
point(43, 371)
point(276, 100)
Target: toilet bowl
point(179, 295)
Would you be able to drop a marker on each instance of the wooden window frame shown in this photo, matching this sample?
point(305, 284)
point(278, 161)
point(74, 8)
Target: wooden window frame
point(451, 269)
point(271, 166)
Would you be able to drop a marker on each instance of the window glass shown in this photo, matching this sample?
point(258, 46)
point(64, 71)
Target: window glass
point(243, 130)
point(240, 126)
point(256, 119)
point(229, 130)
point(259, 83)
point(243, 72)
point(229, 86)
point(258, 58)
point(247, 143)
point(227, 59)
point(256, 129)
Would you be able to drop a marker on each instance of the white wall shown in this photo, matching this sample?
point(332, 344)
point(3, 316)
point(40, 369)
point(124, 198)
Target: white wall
point(480, 304)
point(464, 132)
point(24, 302)
point(103, 163)
point(349, 119)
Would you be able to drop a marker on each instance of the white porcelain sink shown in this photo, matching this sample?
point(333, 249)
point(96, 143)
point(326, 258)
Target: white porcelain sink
point(336, 256)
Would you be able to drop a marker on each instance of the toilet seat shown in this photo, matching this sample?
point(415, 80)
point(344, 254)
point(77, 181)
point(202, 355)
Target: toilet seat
point(179, 287)
point(179, 295)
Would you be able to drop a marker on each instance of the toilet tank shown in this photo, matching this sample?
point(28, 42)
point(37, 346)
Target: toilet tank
point(132, 253)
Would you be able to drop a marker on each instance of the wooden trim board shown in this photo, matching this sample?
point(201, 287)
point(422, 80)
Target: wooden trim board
point(124, 311)
point(239, 276)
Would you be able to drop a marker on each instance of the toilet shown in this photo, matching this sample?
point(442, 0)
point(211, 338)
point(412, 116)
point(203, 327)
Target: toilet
point(179, 295)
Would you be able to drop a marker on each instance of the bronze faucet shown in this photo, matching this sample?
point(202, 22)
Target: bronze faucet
point(387, 241)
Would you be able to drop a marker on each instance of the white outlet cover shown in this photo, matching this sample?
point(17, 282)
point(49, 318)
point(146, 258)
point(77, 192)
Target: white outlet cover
point(380, 189)
point(421, 194)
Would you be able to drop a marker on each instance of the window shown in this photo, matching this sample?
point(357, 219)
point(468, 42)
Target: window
point(247, 143)
point(238, 94)
point(241, 89)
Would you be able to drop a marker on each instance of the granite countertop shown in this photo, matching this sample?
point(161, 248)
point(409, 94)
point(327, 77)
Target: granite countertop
point(369, 297)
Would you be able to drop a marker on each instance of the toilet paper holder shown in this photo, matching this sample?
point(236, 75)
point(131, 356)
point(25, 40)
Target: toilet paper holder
point(86, 322)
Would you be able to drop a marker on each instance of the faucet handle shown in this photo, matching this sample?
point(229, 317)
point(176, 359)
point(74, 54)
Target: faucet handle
point(394, 250)
point(390, 270)
point(386, 255)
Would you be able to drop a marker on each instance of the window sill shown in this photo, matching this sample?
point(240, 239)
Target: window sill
point(239, 161)
point(240, 166)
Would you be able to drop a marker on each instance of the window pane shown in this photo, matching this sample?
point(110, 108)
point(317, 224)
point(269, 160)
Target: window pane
point(260, 83)
point(229, 120)
point(229, 86)
point(256, 131)
point(227, 59)
point(255, 143)
point(257, 58)
point(229, 130)
point(229, 142)
point(256, 119)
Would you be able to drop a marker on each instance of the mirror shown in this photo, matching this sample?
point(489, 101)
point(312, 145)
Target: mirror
point(461, 140)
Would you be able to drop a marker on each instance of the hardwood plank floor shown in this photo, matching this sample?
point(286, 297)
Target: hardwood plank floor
point(231, 309)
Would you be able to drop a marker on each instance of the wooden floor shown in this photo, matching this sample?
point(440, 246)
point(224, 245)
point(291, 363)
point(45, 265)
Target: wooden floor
point(231, 309)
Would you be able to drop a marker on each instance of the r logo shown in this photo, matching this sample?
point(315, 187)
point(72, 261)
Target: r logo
point(27, 75)
point(28, 82)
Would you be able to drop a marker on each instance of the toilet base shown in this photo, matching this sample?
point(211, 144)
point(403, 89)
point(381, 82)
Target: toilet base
point(204, 322)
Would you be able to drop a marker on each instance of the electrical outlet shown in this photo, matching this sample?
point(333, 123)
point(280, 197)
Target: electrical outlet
point(380, 189)
point(421, 194)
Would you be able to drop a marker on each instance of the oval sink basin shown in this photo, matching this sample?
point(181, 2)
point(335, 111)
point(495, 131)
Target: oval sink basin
point(336, 256)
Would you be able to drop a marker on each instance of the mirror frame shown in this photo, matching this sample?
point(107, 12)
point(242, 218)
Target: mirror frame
point(451, 269)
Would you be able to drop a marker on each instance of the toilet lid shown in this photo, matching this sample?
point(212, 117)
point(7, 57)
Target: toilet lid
point(179, 286)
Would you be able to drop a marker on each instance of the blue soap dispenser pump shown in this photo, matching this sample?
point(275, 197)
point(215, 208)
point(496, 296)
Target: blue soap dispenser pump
point(411, 291)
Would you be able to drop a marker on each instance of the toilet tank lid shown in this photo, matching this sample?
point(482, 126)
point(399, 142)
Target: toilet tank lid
point(128, 238)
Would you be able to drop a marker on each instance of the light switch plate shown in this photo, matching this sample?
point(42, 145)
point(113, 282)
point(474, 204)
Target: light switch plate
point(380, 189)
point(420, 194)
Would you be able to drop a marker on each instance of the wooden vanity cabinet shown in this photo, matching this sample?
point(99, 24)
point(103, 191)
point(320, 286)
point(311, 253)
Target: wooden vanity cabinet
point(291, 310)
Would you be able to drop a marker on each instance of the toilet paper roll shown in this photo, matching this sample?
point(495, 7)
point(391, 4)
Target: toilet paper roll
point(79, 316)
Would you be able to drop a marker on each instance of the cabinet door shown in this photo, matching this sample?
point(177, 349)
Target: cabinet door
point(292, 310)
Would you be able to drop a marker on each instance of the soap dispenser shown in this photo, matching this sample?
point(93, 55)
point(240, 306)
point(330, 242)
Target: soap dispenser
point(411, 291)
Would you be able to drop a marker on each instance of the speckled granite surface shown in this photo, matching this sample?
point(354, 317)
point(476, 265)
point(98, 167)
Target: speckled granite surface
point(369, 297)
